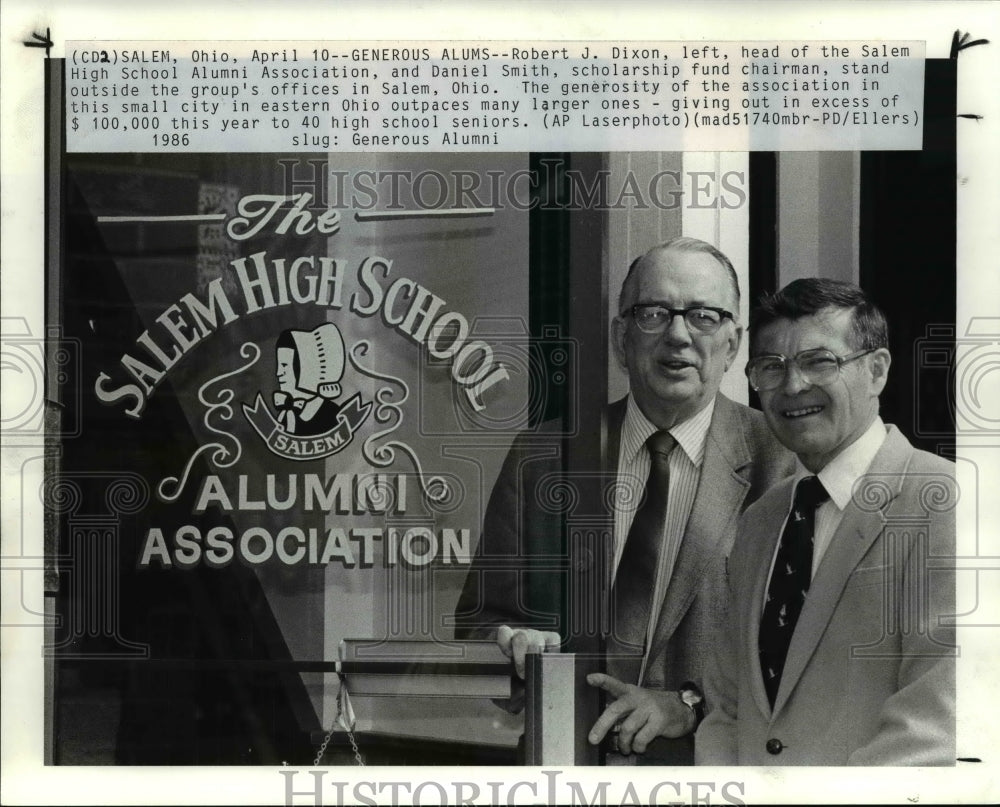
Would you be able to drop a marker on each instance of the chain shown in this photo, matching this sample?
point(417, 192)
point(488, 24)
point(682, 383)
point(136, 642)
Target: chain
point(348, 726)
point(354, 745)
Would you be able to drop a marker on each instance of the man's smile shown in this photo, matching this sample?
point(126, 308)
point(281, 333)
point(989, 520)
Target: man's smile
point(801, 412)
point(675, 365)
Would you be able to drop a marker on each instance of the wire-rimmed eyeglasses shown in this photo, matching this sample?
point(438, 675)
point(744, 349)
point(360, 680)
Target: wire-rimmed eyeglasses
point(818, 366)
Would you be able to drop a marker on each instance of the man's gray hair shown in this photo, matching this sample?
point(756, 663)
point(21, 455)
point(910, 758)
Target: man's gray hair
point(682, 243)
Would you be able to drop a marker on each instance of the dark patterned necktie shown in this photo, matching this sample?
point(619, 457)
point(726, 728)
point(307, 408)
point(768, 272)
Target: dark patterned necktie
point(790, 580)
point(632, 592)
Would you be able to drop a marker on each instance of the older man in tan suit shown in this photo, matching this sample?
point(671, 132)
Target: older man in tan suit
point(702, 459)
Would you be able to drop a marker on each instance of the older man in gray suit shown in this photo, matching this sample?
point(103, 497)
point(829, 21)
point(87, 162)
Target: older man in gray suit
point(702, 459)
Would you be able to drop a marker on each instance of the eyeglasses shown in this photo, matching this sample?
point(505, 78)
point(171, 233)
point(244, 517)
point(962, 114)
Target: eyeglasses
point(819, 367)
point(656, 317)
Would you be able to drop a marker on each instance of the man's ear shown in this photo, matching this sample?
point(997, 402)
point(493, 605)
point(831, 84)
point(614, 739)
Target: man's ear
point(879, 362)
point(618, 328)
point(733, 346)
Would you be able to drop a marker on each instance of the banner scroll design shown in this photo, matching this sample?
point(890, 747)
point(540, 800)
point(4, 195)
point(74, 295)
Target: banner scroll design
point(222, 456)
point(434, 487)
point(352, 415)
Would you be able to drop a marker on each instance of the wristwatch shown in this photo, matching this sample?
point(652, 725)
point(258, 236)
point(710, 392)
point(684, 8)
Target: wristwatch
point(691, 697)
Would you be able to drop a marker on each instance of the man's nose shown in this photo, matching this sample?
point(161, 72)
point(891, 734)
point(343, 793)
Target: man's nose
point(677, 331)
point(795, 382)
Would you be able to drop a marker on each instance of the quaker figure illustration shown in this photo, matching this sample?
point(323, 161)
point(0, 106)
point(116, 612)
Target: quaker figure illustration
point(309, 366)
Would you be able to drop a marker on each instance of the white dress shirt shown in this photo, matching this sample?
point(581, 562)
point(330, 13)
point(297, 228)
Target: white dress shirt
point(838, 477)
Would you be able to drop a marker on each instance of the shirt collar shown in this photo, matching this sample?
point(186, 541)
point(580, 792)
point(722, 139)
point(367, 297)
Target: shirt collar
point(690, 434)
point(839, 474)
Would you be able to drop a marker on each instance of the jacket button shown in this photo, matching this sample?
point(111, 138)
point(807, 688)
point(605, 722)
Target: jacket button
point(774, 746)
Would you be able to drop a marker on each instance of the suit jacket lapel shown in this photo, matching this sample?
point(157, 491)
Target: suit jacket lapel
point(615, 420)
point(857, 531)
point(717, 505)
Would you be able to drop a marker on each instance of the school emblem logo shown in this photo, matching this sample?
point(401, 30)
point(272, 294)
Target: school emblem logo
point(309, 421)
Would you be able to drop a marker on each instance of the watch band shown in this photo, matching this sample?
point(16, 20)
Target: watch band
point(691, 697)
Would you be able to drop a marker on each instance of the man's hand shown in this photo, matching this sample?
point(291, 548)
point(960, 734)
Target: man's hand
point(643, 714)
point(516, 642)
